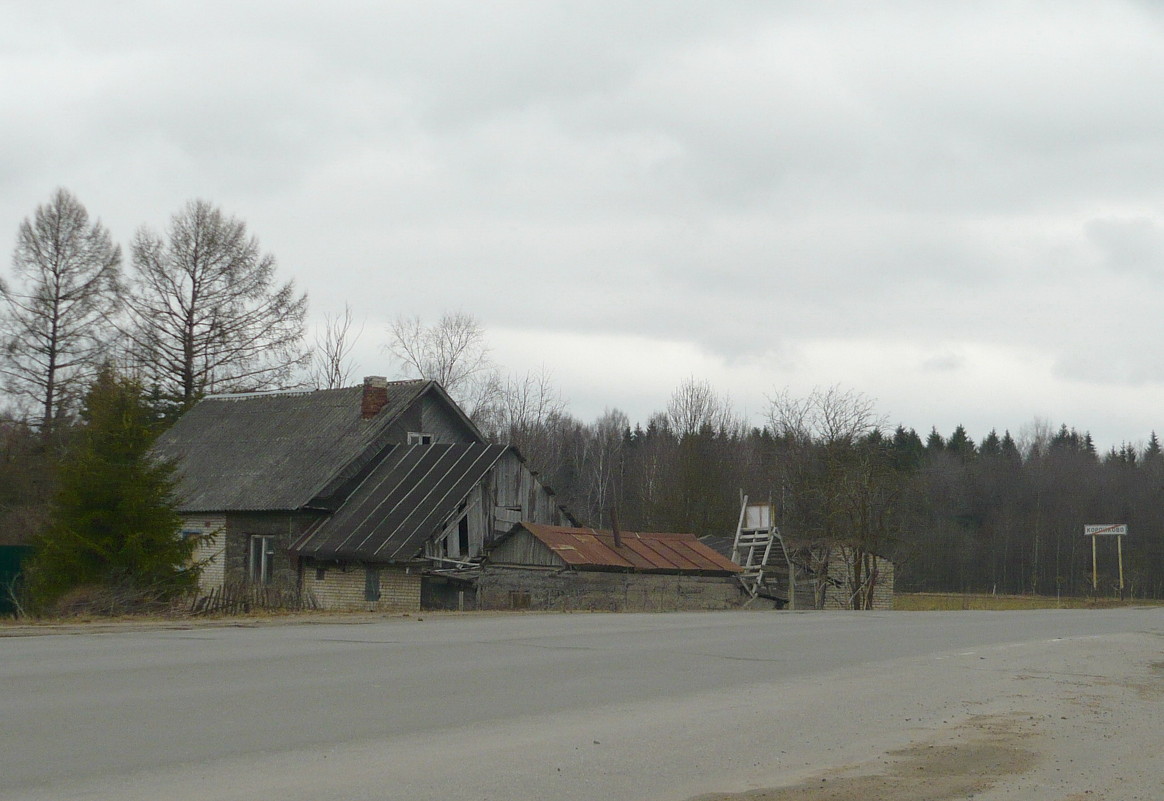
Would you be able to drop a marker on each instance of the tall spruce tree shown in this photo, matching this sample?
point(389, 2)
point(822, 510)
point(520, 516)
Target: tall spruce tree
point(960, 443)
point(113, 526)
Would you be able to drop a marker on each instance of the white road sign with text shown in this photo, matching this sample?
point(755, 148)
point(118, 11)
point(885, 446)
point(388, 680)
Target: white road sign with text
point(1106, 530)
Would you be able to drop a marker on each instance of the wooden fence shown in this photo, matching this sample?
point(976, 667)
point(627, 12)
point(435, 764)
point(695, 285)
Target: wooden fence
point(238, 598)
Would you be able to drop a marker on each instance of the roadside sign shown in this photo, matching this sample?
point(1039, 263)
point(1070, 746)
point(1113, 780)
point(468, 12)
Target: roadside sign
point(1095, 530)
point(1106, 530)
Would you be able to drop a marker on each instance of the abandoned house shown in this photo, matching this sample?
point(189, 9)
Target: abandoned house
point(839, 575)
point(357, 498)
point(537, 566)
point(817, 574)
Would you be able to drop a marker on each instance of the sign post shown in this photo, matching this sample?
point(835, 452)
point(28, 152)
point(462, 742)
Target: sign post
point(1120, 550)
point(1117, 530)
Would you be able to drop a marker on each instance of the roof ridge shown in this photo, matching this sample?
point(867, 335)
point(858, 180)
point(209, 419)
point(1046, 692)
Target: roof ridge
point(268, 393)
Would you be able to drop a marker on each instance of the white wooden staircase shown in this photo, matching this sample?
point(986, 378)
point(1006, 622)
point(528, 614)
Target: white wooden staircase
point(755, 534)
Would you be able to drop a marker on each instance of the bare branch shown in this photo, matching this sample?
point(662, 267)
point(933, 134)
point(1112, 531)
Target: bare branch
point(330, 365)
point(696, 407)
point(453, 352)
point(55, 318)
point(205, 313)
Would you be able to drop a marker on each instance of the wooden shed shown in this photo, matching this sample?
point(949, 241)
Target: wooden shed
point(555, 567)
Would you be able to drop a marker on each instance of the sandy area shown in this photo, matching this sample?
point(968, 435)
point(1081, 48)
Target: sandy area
point(1088, 732)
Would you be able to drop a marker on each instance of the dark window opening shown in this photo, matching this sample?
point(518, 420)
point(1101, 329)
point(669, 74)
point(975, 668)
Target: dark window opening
point(371, 584)
point(419, 438)
point(262, 559)
point(320, 572)
point(519, 599)
point(463, 537)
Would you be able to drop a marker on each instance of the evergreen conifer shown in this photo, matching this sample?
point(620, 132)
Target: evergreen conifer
point(113, 525)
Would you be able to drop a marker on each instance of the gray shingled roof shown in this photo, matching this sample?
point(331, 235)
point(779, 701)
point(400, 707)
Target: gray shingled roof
point(276, 451)
point(402, 503)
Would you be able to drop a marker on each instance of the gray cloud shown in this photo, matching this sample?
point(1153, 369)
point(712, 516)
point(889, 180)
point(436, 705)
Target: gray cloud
point(917, 184)
point(1129, 245)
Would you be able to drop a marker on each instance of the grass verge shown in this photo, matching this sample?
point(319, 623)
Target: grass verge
point(948, 601)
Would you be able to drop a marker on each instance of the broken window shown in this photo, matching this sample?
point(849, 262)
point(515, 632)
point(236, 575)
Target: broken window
point(262, 558)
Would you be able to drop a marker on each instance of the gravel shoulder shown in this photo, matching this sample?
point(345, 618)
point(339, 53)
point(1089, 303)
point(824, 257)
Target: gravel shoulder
point(17, 628)
point(1082, 725)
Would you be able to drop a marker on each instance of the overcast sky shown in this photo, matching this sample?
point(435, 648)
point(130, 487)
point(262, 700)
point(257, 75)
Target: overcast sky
point(954, 208)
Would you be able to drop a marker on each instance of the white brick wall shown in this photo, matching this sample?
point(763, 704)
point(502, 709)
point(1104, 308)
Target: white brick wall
point(838, 597)
point(211, 534)
point(342, 587)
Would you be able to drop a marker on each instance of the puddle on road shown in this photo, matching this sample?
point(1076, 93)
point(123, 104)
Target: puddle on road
point(988, 748)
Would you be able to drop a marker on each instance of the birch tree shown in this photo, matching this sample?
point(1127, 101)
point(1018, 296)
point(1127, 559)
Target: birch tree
point(453, 352)
point(331, 365)
point(55, 316)
point(205, 311)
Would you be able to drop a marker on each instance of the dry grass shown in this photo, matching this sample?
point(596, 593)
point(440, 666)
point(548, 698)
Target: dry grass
point(940, 601)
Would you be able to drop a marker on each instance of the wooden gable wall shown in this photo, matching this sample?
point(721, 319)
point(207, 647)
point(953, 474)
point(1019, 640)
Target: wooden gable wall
point(510, 493)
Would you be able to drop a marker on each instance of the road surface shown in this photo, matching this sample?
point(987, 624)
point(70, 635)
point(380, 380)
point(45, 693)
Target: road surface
point(1051, 705)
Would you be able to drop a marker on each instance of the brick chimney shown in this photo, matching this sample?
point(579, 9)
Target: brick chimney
point(375, 396)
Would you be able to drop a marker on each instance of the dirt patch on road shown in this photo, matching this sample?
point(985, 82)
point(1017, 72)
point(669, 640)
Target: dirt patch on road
point(1153, 687)
point(971, 759)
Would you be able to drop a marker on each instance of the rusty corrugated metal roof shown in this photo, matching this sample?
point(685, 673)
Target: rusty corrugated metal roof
point(588, 548)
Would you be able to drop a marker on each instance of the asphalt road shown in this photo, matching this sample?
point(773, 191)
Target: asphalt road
point(542, 706)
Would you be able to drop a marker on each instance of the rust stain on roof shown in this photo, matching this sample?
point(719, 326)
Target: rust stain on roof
point(640, 551)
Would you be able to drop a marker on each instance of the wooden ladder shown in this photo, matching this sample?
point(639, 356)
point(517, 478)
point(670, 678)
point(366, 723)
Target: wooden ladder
point(752, 549)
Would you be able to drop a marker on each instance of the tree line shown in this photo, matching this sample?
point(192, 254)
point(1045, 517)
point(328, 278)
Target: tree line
point(198, 310)
point(1001, 514)
point(998, 515)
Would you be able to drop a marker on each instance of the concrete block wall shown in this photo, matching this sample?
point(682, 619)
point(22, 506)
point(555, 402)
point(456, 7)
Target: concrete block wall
point(837, 597)
point(342, 587)
point(883, 592)
point(569, 590)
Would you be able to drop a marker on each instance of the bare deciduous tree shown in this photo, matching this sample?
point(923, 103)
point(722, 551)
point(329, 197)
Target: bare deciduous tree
point(843, 490)
point(529, 401)
point(598, 464)
point(331, 367)
point(453, 352)
point(833, 416)
point(696, 406)
point(55, 317)
point(524, 415)
point(205, 313)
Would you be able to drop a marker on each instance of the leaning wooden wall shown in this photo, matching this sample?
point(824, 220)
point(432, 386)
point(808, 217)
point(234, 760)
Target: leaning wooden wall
point(570, 590)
